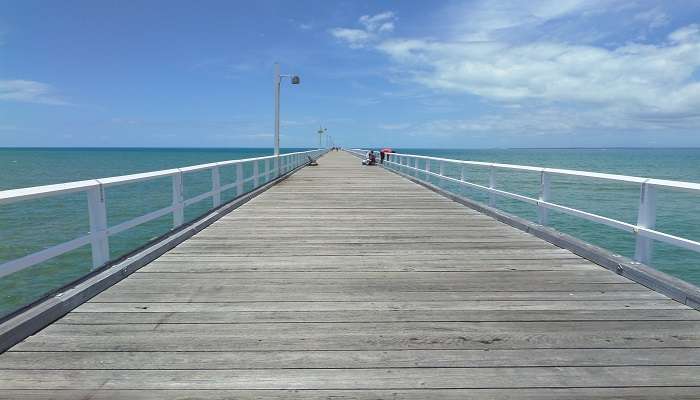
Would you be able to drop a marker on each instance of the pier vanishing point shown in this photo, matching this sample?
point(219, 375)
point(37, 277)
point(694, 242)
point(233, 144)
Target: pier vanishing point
point(343, 281)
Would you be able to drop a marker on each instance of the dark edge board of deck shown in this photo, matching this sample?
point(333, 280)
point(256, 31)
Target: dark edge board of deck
point(46, 311)
point(677, 289)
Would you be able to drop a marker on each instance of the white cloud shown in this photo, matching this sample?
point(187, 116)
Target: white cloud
point(686, 34)
point(29, 92)
point(395, 126)
point(383, 22)
point(355, 38)
point(655, 18)
point(513, 56)
point(534, 121)
point(635, 78)
point(489, 19)
point(373, 27)
point(386, 27)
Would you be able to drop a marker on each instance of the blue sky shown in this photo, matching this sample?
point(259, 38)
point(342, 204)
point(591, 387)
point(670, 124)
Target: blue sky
point(480, 73)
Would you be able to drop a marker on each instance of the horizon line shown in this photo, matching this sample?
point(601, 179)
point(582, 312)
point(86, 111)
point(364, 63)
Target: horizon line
point(351, 147)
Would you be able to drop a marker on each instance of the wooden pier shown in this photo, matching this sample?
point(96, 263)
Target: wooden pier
point(352, 282)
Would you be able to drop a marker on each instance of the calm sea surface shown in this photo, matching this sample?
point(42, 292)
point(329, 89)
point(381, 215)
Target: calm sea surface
point(36, 224)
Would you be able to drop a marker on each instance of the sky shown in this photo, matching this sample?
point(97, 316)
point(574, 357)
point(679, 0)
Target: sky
point(432, 74)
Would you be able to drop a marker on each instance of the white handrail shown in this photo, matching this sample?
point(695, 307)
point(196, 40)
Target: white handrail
point(689, 186)
point(100, 231)
point(643, 230)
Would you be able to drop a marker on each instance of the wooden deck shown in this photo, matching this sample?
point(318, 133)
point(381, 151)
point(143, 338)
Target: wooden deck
point(351, 282)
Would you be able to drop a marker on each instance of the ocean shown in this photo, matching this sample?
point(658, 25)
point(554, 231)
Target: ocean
point(30, 226)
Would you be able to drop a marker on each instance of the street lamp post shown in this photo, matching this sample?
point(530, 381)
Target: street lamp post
point(278, 80)
point(320, 132)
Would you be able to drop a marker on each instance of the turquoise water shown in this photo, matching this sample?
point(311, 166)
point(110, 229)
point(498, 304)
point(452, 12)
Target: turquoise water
point(36, 224)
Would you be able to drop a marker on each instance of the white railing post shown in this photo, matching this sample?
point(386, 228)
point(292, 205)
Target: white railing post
point(267, 172)
point(178, 201)
point(462, 173)
point(492, 185)
point(442, 168)
point(216, 186)
point(97, 211)
point(646, 218)
point(543, 212)
point(239, 179)
point(427, 169)
point(256, 172)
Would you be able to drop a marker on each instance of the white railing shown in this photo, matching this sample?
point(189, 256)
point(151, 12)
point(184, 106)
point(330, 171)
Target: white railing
point(100, 231)
point(643, 230)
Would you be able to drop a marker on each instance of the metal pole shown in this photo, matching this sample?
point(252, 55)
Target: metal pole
point(321, 131)
point(277, 109)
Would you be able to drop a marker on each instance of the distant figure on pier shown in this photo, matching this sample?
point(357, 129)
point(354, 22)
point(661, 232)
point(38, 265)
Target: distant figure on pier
point(371, 158)
point(384, 153)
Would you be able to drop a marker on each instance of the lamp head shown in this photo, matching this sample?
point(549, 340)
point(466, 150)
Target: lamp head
point(296, 80)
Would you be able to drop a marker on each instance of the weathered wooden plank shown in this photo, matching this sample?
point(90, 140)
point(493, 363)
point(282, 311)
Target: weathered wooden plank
point(690, 329)
point(302, 379)
point(207, 267)
point(343, 316)
point(492, 305)
point(475, 255)
point(375, 286)
point(618, 292)
point(367, 336)
point(592, 393)
point(437, 280)
point(48, 360)
point(400, 276)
